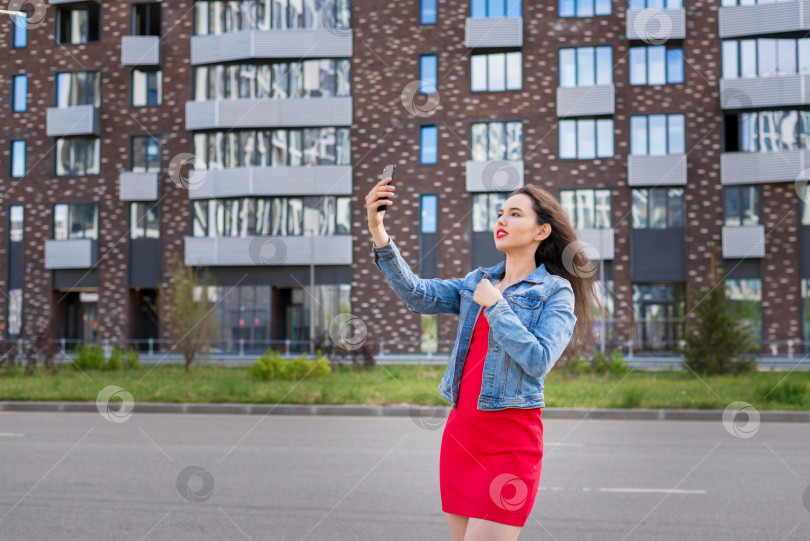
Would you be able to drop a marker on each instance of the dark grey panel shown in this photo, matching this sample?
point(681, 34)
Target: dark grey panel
point(804, 250)
point(75, 278)
point(283, 275)
point(743, 269)
point(15, 265)
point(658, 255)
point(483, 252)
point(428, 255)
point(144, 263)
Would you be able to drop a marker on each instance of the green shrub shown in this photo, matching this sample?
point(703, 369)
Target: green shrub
point(272, 366)
point(114, 362)
point(618, 365)
point(88, 357)
point(599, 363)
point(133, 359)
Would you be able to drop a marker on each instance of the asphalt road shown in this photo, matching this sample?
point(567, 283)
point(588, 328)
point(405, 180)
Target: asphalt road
point(197, 477)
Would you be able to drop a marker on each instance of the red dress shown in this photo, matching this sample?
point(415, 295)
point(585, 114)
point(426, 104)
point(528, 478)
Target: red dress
point(490, 461)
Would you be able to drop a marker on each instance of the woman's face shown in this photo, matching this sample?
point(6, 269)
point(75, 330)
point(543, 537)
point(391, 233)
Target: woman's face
point(518, 219)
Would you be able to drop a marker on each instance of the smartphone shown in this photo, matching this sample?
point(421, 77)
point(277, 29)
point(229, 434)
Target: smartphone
point(387, 172)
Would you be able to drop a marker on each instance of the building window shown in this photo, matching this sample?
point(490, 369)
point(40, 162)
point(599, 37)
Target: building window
point(263, 216)
point(272, 148)
point(657, 135)
point(78, 88)
point(145, 154)
point(19, 90)
point(19, 32)
point(485, 207)
point(768, 131)
point(215, 17)
point(586, 66)
point(428, 74)
point(144, 221)
point(745, 295)
point(496, 72)
point(805, 205)
point(495, 8)
point(75, 221)
point(497, 141)
point(429, 144)
point(78, 23)
point(659, 311)
point(584, 8)
point(15, 231)
point(147, 88)
point(587, 208)
point(18, 159)
point(427, 11)
point(657, 208)
point(741, 205)
point(77, 156)
point(586, 138)
point(146, 19)
point(428, 217)
point(302, 79)
point(765, 57)
point(656, 65)
point(656, 4)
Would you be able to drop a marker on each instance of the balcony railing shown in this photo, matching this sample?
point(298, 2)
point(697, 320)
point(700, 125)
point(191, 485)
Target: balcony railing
point(764, 18)
point(269, 113)
point(267, 181)
point(669, 170)
point(762, 167)
point(70, 254)
point(771, 91)
point(494, 32)
point(585, 101)
point(268, 251)
point(74, 120)
point(656, 25)
point(743, 241)
point(140, 50)
point(494, 176)
point(137, 186)
point(291, 43)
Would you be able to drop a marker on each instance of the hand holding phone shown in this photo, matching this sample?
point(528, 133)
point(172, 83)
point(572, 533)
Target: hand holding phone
point(388, 172)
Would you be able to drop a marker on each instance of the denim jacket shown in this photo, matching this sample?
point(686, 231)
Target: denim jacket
point(528, 329)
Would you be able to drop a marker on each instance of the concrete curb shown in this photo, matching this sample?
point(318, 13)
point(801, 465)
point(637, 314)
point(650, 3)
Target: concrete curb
point(404, 410)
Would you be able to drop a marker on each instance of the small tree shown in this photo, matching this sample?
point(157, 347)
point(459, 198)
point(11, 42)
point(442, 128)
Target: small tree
point(718, 339)
point(186, 311)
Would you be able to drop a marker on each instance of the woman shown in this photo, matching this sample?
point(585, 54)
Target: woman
point(532, 304)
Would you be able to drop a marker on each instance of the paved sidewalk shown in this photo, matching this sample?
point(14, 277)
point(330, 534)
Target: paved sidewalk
point(403, 410)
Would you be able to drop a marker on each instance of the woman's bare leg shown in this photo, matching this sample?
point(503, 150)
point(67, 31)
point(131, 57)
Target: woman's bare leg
point(458, 525)
point(487, 530)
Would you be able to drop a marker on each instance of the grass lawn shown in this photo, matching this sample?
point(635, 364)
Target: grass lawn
point(407, 384)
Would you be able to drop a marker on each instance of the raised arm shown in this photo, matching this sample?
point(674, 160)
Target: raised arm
point(423, 296)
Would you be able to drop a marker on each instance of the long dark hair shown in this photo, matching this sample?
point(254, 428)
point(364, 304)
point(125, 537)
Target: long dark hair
point(563, 255)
